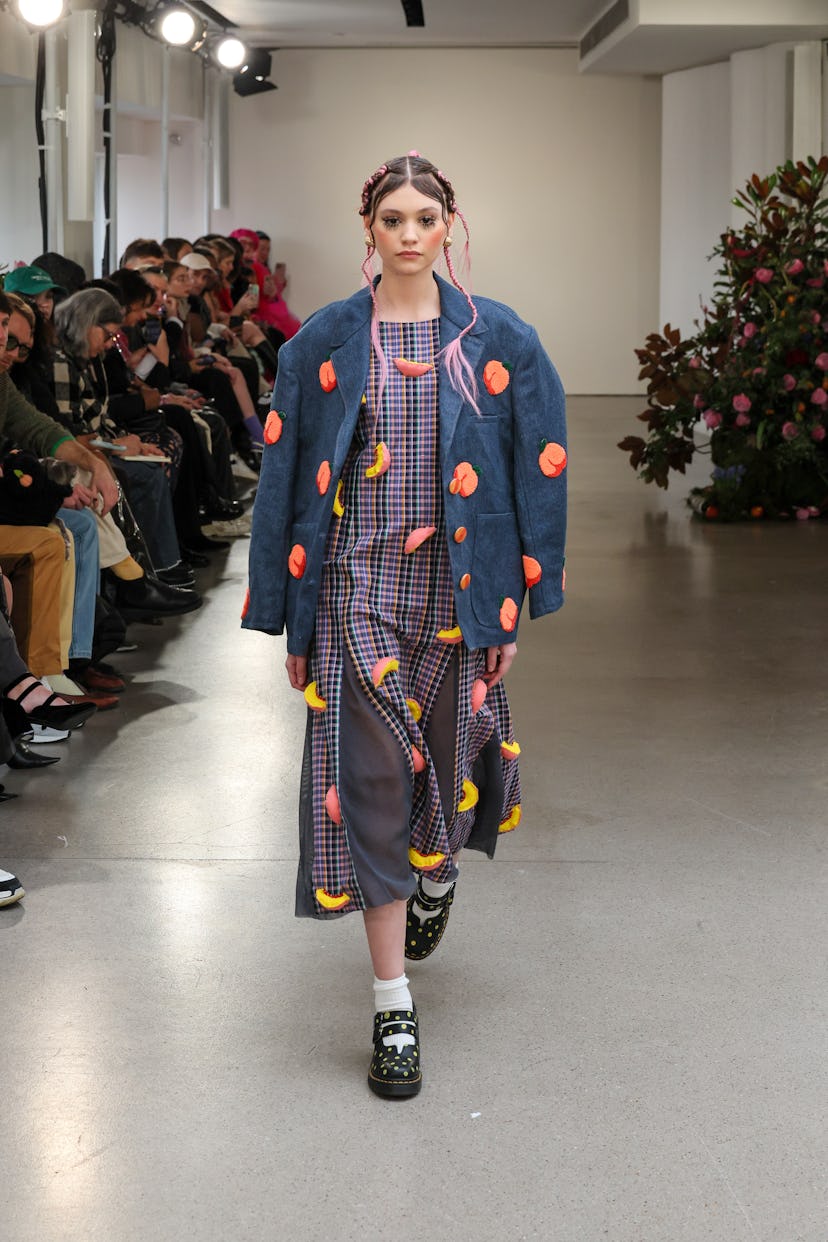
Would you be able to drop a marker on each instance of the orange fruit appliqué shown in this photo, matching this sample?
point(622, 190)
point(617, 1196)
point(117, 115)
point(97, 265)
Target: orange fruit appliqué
point(508, 614)
point(532, 571)
point(552, 459)
point(297, 560)
point(323, 477)
point(327, 376)
point(465, 479)
point(495, 377)
point(273, 427)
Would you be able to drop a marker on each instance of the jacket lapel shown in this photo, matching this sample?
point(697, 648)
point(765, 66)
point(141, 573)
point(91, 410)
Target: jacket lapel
point(454, 316)
point(350, 355)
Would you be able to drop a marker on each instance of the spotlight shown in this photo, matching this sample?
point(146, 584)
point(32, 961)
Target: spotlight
point(252, 77)
point(40, 12)
point(178, 27)
point(230, 52)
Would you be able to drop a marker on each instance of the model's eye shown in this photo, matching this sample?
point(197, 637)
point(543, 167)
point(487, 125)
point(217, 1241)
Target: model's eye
point(428, 222)
point(390, 222)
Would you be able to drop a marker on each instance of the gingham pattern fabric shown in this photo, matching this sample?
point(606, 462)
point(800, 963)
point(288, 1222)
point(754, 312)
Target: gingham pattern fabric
point(377, 601)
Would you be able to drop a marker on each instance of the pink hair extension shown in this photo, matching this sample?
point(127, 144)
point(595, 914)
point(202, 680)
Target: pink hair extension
point(368, 273)
point(461, 375)
point(465, 254)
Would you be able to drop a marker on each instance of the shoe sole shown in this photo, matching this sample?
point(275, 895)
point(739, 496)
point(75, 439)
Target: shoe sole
point(9, 901)
point(395, 1090)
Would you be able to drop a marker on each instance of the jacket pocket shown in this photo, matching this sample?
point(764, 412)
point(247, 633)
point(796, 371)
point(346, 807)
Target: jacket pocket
point(496, 567)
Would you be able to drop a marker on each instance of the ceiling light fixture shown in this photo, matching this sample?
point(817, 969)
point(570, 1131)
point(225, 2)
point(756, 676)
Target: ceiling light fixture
point(252, 77)
point(40, 13)
point(230, 52)
point(178, 27)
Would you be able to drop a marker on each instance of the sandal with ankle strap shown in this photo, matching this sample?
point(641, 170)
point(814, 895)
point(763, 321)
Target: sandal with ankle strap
point(395, 1069)
point(51, 713)
point(422, 938)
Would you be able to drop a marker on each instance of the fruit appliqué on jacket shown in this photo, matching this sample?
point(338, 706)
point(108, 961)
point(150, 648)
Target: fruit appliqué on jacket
point(532, 571)
point(384, 666)
point(508, 614)
point(464, 480)
point(338, 506)
point(273, 426)
point(470, 796)
point(323, 477)
point(297, 560)
point(327, 376)
point(454, 635)
point(552, 458)
point(496, 376)
point(246, 604)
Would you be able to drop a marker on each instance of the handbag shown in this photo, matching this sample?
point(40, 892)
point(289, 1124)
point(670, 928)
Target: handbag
point(32, 491)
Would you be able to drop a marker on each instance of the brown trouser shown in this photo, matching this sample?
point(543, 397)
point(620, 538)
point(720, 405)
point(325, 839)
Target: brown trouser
point(35, 559)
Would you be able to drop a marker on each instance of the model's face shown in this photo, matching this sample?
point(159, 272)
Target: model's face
point(101, 337)
point(408, 231)
point(179, 283)
point(45, 303)
point(18, 341)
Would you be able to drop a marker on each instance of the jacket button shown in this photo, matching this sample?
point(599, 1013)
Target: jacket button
point(460, 534)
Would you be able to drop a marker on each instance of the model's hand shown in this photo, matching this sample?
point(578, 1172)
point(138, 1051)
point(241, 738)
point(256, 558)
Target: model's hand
point(498, 662)
point(297, 671)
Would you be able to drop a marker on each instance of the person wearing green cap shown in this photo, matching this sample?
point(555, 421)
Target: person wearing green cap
point(36, 284)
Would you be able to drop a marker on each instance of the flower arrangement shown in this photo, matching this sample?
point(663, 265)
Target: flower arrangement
point(756, 371)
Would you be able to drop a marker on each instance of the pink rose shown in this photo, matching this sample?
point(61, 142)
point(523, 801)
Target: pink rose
point(818, 433)
point(695, 362)
point(788, 383)
point(764, 275)
point(822, 361)
point(819, 396)
point(758, 370)
point(816, 282)
point(793, 269)
point(815, 317)
point(742, 420)
point(789, 431)
point(741, 403)
point(802, 515)
point(698, 401)
point(749, 330)
point(712, 419)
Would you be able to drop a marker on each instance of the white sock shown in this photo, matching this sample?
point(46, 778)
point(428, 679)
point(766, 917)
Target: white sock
point(431, 889)
point(393, 994)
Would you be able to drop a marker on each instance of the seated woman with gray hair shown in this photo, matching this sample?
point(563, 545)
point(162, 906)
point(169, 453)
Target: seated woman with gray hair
point(87, 325)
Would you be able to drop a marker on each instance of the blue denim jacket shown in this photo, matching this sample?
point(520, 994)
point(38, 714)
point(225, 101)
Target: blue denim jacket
point(515, 518)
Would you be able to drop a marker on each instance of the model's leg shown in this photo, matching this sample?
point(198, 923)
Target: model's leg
point(385, 929)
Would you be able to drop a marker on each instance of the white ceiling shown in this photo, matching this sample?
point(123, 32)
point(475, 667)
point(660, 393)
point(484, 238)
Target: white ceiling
point(381, 23)
point(659, 36)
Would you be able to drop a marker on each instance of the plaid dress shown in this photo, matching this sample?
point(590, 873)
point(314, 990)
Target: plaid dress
point(390, 762)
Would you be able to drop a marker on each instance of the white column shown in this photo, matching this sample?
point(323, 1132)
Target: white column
point(806, 122)
point(80, 116)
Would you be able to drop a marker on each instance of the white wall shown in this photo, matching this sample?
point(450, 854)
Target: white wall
point(557, 174)
point(20, 235)
point(696, 187)
point(721, 124)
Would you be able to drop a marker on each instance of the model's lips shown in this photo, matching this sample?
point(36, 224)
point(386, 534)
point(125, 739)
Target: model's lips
point(410, 254)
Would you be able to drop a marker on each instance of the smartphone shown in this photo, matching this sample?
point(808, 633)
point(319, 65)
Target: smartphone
point(253, 291)
point(205, 360)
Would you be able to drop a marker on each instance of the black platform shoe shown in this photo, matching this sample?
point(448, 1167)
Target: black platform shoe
point(421, 939)
point(393, 1074)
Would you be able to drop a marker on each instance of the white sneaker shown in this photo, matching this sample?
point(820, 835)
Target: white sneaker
point(11, 890)
point(42, 735)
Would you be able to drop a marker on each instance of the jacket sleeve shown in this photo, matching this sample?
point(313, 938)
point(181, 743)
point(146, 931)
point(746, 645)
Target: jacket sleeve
point(540, 475)
point(264, 607)
point(27, 428)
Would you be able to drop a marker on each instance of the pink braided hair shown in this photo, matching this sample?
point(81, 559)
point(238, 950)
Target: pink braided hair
point(420, 172)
